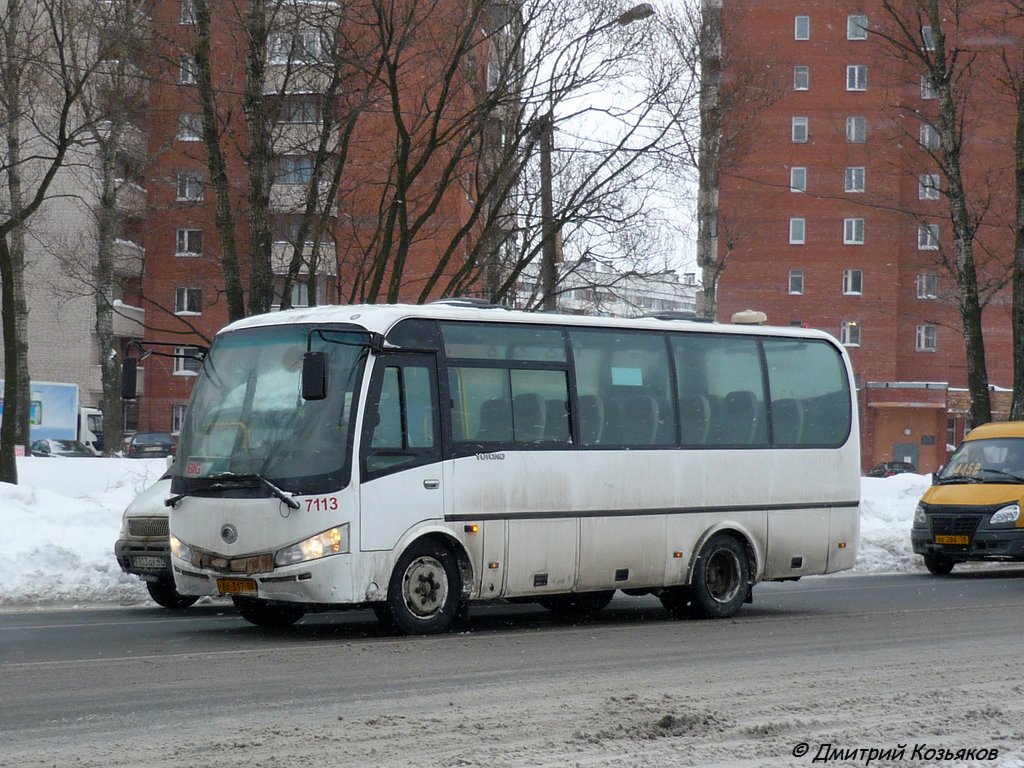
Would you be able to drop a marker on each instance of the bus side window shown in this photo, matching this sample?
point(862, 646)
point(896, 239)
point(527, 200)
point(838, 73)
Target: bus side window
point(403, 425)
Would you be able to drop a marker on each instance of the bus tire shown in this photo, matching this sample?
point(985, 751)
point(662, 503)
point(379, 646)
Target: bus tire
point(164, 594)
point(578, 603)
point(721, 578)
point(940, 565)
point(263, 613)
point(425, 591)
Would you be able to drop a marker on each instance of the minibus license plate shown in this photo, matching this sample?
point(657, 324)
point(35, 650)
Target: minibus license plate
point(945, 539)
point(148, 562)
point(236, 586)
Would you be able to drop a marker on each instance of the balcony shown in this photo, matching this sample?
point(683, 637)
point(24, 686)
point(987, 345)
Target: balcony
point(291, 198)
point(302, 138)
point(131, 199)
point(129, 259)
point(280, 79)
point(281, 257)
point(129, 322)
point(96, 381)
point(131, 140)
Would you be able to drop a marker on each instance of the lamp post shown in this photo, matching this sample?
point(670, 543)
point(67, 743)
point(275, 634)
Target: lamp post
point(549, 256)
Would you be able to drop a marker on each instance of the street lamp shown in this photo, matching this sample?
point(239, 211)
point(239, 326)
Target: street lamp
point(549, 256)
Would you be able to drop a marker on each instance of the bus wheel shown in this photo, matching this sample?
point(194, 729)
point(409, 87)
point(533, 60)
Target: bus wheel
point(266, 614)
point(721, 578)
point(938, 564)
point(578, 604)
point(425, 590)
point(164, 593)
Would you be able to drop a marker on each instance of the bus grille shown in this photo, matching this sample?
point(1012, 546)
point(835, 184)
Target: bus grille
point(148, 526)
point(955, 525)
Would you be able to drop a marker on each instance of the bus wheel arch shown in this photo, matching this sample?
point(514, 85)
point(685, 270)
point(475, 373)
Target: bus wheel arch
point(721, 574)
point(427, 587)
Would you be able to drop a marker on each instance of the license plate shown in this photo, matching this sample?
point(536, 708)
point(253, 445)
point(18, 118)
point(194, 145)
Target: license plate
point(149, 563)
point(945, 539)
point(236, 586)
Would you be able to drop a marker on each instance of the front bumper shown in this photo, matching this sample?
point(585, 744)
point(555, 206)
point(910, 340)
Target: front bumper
point(984, 544)
point(148, 558)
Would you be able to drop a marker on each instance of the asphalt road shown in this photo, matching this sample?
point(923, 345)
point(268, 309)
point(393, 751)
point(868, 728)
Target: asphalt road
point(103, 678)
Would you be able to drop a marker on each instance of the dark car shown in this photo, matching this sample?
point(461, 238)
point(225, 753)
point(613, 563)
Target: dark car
point(66, 448)
point(890, 468)
point(150, 445)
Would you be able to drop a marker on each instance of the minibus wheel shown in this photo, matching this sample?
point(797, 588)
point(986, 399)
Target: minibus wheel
point(721, 578)
point(164, 593)
point(425, 589)
point(263, 613)
point(938, 564)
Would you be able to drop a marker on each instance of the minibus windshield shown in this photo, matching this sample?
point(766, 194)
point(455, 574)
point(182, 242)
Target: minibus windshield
point(994, 460)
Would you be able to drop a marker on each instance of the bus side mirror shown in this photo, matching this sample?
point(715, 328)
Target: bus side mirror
point(129, 378)
point(314, 376)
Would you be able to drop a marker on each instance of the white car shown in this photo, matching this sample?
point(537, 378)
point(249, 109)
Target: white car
point(143, 547)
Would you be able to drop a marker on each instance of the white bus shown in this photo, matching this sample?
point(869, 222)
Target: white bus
point(414, 459)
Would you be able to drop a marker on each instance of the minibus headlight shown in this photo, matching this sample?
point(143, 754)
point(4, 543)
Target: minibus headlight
point(180, 549)
point(1007, 514)
point(920, 520)
point(332, 542)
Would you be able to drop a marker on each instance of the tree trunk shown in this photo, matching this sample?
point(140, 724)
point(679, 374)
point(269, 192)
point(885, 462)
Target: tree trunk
point(110, 360)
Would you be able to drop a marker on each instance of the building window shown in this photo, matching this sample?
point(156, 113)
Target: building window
point(293, 169)
point(177, 418)
point(929, 136)
point(800, 130)
point(190, 242)
point(300, 108)
point(927, 38)
point(802, 28)
point(187, 73)
point(925, 338)
point(854, 179)
point(857, 27)
point(857, 77)
point(927, 286)
point(797, 179)
point(853, 282)
point(928, 237)
point(849, 333)
point(797, 232)
point(188, 301)
point(928, 186)
point(188, 12)
point(187, 361)
point(190, 127)
point(189, 186)
point(304, 46)
point(801, 78)
point(853, 231)
point(928, 89)
point(796, 282)
point(857, 129)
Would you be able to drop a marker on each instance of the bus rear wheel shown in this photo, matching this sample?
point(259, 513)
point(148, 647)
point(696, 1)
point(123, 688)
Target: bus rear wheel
point(263, 613)
point(938, 564)
point(578, 604)
point(425, 591)
point(721, 578)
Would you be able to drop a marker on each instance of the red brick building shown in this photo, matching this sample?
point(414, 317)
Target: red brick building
point(182, 288)
point(830, 210)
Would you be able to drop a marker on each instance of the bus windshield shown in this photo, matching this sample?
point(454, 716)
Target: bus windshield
point(247, 419)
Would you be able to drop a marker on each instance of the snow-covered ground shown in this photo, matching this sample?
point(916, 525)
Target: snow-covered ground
point(59, 525)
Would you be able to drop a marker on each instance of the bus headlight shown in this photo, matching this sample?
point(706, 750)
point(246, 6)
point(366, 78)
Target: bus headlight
point(180, 549)
point(1007, 514)
point(920, 519)
point(332, 542)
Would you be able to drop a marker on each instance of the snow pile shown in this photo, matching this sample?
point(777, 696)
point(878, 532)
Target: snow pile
point(60, 524)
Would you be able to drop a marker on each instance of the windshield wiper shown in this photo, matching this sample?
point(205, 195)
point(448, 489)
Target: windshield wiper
point(223, 481)
point(1015, 478)
point(961, 479)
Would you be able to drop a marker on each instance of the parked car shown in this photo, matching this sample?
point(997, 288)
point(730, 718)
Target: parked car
point(151, 445)
point(890, 468)
point(144, 546)
point(66, 448)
